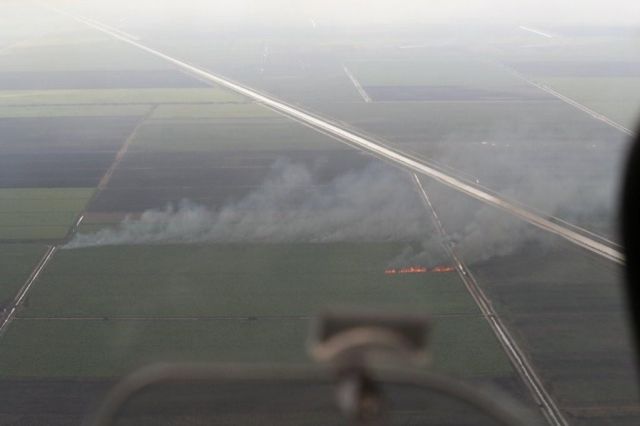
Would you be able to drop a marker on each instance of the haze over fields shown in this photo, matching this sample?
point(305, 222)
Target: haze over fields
point(195, 181)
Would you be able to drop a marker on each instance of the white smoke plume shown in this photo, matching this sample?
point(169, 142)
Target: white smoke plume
point(377, 203)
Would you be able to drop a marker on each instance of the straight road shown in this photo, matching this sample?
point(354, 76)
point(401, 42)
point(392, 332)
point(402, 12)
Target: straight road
point(351, 138)
point(521, 364)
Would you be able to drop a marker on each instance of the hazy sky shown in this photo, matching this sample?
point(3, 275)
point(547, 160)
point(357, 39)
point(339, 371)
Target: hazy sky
point(602, 12)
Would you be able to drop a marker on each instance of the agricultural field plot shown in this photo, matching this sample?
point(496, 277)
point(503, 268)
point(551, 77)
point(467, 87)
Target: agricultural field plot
point(65, 135)
point(563, 305)
point(65, 54)
point(146, 181)
point(16, 263)
point(74, 110)
point(40, 213)
point(441, 79)
point(107, 97)
point(274, 133)
point(282, 279)
point(444, 123)
point(114, 295)
point(443, 69)
point(49, 167)
point(247, 110)
point(77, 80)
point(97, 348)
point(224, 154)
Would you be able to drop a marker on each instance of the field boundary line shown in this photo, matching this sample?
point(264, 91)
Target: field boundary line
point(104, 181)
point(519, 361)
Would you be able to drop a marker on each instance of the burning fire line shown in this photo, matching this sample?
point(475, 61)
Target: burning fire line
point(419, 270)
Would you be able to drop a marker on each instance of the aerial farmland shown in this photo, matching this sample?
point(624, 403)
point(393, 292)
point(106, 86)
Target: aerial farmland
point(191, 196)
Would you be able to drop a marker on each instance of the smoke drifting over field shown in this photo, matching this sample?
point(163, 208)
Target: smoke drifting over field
point(377, 203)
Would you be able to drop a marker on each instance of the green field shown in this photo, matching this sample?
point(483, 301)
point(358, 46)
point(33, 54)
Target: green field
point(220, 111)
point(236, 280)
point(117, 307)
point(440, 71)
point(70, 110)
point(40, 213)
point(117, 96)
point(99, 348)
point(66, 53)
point(104, 348)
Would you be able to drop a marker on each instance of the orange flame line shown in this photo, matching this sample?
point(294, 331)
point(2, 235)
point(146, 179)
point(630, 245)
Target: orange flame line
point(419, 270)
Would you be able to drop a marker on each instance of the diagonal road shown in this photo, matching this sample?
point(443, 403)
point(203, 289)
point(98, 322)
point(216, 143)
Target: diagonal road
point(519, 361)
point(351, 138)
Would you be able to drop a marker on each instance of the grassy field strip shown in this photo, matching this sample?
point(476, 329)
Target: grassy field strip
point(395, 156)
point(106, 348)
point(271, 133)
point(205, 317)
point(40, 213)
point(170, 318)
point(549, 407)
point(213, 111)
point(86, 110)
point(111, 97)
point(120, 291)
